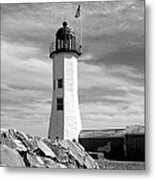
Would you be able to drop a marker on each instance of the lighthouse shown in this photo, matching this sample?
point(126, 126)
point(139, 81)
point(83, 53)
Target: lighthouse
point(65, 121)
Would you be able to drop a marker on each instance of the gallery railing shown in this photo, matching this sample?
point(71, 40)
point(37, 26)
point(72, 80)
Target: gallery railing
point(65, 47)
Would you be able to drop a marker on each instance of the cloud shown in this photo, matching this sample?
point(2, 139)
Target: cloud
point(102, 115)
point(102, 76)
point(25, 88)
point(111, 96)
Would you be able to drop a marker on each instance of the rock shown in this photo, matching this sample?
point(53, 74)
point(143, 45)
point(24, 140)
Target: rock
point(79, 146)
point(23, 150)
point(19, 145)
point(73, 151)
point(52, 164)
point(60, 152)
point(10, 157)
point(49, 162)
point(90, 163)
point(83, 159)
point(8, 142)
point(47, 151)
point(35, 161)
point(16, 139)
point(61, 166)
point(63, 155)
point(4, 133)
point(24, 139)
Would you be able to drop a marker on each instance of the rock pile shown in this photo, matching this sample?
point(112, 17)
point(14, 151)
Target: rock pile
point(22, 150)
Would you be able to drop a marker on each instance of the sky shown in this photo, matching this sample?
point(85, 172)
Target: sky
point(111, 69)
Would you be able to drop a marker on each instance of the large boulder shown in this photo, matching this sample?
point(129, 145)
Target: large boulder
point(10, 157)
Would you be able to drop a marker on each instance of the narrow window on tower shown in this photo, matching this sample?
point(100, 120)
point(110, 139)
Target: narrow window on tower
point(60, 104)
point(54, 85)
point(60, 83)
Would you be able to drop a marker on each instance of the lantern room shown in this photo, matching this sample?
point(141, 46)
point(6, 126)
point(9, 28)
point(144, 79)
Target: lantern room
point(65, 41)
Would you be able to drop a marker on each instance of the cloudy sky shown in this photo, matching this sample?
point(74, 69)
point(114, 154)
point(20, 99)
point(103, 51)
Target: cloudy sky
point(110, 71)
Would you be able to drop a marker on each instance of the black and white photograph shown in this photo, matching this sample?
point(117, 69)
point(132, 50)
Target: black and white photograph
point(73, 85)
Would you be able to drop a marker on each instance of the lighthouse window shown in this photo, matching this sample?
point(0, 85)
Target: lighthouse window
point(60, 104)
point(60, 83)
point(54, 85)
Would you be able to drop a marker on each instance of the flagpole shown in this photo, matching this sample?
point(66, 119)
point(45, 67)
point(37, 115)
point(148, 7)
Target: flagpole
point(77, 15)
point(81, 29)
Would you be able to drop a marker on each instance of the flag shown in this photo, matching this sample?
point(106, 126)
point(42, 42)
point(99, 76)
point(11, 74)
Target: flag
point(77, 15)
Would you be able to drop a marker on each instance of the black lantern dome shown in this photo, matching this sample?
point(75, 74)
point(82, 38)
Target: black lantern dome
point(64, 33)
point(65, 41)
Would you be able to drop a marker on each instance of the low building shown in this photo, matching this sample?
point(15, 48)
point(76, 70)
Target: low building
point(115, 144)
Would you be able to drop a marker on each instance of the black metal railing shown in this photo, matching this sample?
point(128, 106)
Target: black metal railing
point(55, 47)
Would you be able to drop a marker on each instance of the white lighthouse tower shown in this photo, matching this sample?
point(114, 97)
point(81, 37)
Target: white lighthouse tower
point(65, 121)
